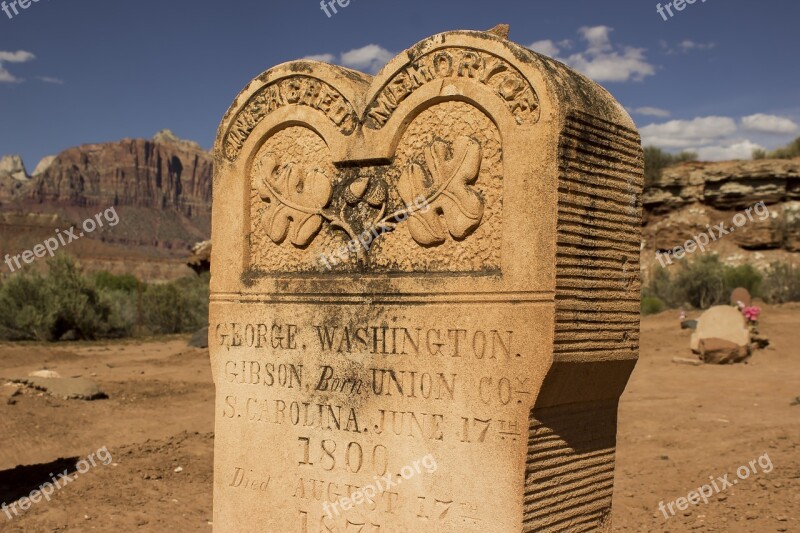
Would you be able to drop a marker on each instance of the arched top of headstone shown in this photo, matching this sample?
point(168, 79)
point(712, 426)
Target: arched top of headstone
point(501, 108)
point(510, 83)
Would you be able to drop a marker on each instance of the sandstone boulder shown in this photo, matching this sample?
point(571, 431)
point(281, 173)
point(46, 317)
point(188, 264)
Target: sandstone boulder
point(721, 322)
point(65, 388)
point(722, 352)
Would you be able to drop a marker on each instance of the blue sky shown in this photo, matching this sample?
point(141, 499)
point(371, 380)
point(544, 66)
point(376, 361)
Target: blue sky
point(720, 77)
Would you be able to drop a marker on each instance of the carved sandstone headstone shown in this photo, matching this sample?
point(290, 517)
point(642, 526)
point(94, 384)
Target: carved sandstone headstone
point(424, 284)
point(740, 294)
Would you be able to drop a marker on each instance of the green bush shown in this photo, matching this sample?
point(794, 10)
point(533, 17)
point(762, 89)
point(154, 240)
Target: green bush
point(781, 284)
point(107, 281)
point(656, 160)
point(48, 307)
point(746, 276)
point(789, 151)
point(25, 313)
point(65, 303)
point(177, 307)
point(652, 305)
point(701, 283)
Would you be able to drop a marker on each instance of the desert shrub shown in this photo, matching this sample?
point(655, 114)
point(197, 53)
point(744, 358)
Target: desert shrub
point(662, 287)
point(789, 151)
point(115, 282)
point(656, 160)
point(701, 283)
point(781, 283)
point(76, 303)
point(177, 307)
point(122, 312)
point(47, 307)
point(65, 303)
point(652, 305)
point(24, 309)
point(746, 276)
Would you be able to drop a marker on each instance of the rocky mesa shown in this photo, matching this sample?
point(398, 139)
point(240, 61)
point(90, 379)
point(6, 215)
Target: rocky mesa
point(691, 198)
point(160, 188)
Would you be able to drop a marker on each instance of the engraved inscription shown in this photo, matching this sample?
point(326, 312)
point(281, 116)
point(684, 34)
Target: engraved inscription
point(504, 79)
point(297, 91)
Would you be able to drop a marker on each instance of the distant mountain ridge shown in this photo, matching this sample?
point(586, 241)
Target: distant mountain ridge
point(160, 187)
point(159, 173)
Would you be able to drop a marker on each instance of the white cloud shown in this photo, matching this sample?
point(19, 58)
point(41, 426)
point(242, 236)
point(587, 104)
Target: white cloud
point(546, 47)
point(370, 58)
point(6, 76)
point(737, 150)
point(687, 46)
point(49, 79)
point(325, 58)
point(602, 60)
point(716, 138)
point(20, 56)
point(651, 112)
point(769, 123)
point(686, 133)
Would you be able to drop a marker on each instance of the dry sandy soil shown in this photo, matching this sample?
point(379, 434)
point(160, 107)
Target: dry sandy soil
point(678, 426)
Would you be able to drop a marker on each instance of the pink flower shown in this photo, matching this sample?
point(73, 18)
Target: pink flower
point(751, 313)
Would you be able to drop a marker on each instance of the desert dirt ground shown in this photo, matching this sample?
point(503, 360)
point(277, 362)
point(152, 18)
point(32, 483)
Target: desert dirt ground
point(678, 426)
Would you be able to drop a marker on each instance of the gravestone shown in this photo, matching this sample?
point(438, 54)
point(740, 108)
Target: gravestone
point(740, 294)
point(721, 322)
point(425, 285)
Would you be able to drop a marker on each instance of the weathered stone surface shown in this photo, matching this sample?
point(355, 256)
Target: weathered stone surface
point(490, 327)
point(721, 322)
point(740, 294)
point(65, 388)
point(722, 352)
point(791, 217)
point(725, 185)
point(8, 391)
point(44, 374)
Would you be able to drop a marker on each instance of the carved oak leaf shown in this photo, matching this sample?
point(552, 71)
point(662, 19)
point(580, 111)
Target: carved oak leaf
point(296, 199)
point(448, 194)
